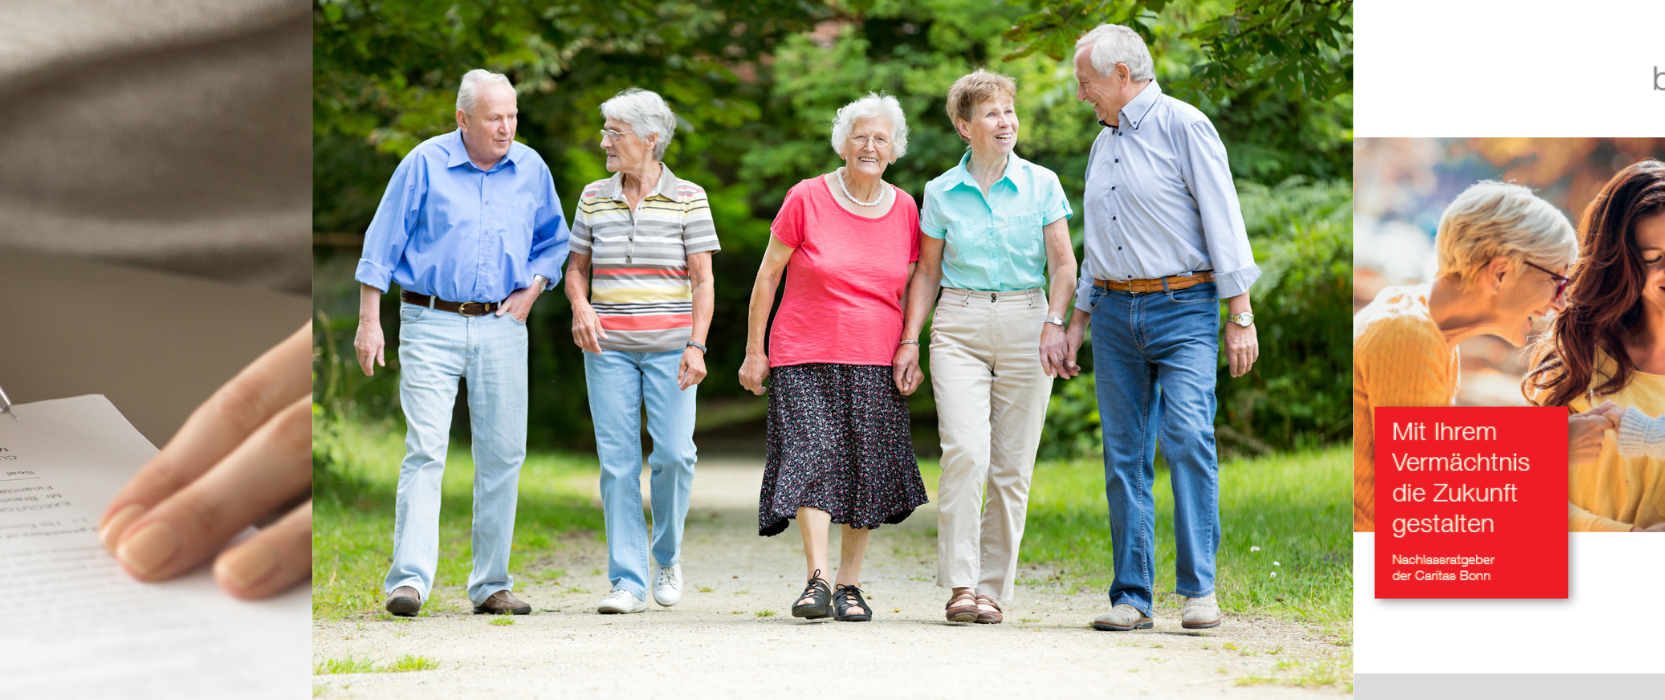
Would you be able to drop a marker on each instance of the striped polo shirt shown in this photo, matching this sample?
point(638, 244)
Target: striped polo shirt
point(639, 260)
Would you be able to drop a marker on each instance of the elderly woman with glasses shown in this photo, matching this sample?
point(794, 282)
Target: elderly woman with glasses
point(839, 447)
point(645, 238)
point(993, 227)
point(1503, 259)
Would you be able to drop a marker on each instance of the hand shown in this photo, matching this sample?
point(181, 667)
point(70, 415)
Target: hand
point(753, 372)
point(370, 345)
point(692, 369)
point(1657, 527)
point(243, 455)
point(905, 369)
point(1613, 411)
point(1242, 348)
point(587, 333)
point(1073, 338)
point(1584, 435)
point(1055, 354)
point(519, 303)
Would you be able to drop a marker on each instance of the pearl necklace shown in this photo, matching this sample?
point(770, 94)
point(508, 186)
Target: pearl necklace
point(852, 197)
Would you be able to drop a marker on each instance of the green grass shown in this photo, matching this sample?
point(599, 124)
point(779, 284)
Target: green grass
point(503, 621)
point(1293, 507)
point(355, 473)
point(350, 664)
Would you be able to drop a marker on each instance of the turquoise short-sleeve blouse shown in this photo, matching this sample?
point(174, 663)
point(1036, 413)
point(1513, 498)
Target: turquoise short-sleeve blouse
point(993, 244)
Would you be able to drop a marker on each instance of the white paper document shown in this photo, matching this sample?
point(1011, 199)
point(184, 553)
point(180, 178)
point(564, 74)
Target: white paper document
point(73, 625)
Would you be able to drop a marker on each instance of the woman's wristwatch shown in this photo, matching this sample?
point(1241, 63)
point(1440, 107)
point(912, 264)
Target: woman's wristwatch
point(909, 341)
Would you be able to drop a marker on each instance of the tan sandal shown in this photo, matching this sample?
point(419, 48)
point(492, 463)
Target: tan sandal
point(963, 607)
point(988, 617)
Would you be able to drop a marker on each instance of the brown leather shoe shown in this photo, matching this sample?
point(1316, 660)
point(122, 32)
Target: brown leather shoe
point(988, 617)
point(502, 602)
point(404, 601)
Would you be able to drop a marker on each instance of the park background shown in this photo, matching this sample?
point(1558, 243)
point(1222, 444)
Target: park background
point(755, 86)
point(1404, 186)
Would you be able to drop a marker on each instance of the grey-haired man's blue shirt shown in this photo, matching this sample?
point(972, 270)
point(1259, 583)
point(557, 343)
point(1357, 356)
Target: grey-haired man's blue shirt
point(1159, 201)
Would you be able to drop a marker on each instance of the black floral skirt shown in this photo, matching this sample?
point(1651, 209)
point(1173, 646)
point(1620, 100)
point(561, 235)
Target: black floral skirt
point(838, 442)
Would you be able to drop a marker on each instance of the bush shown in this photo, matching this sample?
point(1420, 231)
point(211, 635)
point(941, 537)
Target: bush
point(1297, 395)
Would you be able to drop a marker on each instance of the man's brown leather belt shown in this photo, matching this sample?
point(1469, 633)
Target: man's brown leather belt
point(467, 308)
point(1146, 286)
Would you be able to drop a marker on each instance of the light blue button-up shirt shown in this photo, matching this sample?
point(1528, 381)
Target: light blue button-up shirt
point(993, 243)
point(1159, 201)
point(448, 229)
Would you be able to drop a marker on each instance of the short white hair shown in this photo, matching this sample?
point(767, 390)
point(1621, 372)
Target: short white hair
point(646, 113)
point(1492, 219)
point(468, 93)
point(1113, 44)
point(869, 107)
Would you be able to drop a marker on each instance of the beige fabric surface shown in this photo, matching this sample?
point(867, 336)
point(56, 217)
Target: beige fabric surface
point(991, 403)
point(172, 134)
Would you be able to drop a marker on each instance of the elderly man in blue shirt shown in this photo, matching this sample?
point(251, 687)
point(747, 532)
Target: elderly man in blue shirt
point(471, 230)
point(1164, 244)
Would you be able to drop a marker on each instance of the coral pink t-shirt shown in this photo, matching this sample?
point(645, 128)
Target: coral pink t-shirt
point(845, 281)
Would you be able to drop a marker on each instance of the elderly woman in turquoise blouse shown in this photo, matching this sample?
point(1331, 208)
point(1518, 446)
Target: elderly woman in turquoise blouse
point(993, 227)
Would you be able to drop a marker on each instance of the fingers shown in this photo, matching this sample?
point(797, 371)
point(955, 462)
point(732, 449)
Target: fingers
point(272, 560)
point(268, 385)
point(269, 469)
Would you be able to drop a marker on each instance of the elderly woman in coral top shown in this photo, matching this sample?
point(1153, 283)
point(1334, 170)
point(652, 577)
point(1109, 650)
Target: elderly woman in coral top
point(839, 447)
point(1503, 259)
point(1610, 345)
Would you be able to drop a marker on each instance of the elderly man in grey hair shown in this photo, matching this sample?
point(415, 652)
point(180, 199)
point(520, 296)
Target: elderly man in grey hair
point(1165, 244)
point(471, 230)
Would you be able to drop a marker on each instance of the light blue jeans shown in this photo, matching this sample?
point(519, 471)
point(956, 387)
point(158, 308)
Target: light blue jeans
point(435, 349)
point(619, 383)
point(1155, 356)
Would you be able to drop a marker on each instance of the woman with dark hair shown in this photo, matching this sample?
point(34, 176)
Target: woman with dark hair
point(1609, 344)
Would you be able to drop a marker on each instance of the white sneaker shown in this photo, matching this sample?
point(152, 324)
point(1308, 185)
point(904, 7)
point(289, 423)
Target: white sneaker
point(667, 587)
point(621, 601)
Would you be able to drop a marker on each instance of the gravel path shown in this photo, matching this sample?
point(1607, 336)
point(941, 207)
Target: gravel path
point(722, 643)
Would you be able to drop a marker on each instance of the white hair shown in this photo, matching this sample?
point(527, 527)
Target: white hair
point(1492, 219)
point(869, 107)
point(472, 81)
point(1113, 44)
point(646, 113)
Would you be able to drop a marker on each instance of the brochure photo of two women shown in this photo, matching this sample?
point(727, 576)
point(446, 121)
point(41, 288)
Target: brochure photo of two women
point(730, 349)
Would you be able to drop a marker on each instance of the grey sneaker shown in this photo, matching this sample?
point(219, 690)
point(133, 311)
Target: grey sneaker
point(667, 586)
point(1123, 618)
point(621, 601)
point(404, 601)
point(1200, 613)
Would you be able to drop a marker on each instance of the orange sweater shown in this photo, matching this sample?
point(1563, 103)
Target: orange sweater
point(1613, 493)
point(1400, 358)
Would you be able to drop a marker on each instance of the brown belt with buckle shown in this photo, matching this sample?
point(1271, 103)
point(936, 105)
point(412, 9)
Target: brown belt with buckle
point(1176, 282)
point(467, 308)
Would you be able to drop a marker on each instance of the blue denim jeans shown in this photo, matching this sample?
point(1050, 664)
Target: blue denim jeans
point(619, 383)
point(436, 348)
point(1155, 356)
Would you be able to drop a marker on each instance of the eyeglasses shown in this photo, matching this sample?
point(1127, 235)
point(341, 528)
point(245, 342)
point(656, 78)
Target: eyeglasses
point(614, 135)
point(862, 141)
point(1560, 282)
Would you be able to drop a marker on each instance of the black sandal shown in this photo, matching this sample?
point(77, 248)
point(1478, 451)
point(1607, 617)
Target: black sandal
point(817, 591)
point(842, 600)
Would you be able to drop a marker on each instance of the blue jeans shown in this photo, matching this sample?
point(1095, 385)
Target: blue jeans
point(619, 382)
point(435, 349)
point(1155, 356)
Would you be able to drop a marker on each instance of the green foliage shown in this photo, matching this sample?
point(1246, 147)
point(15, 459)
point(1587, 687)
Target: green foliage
point(1298, 394)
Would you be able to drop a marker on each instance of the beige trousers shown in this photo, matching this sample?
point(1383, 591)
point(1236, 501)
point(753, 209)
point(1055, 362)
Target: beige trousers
point(991, 402)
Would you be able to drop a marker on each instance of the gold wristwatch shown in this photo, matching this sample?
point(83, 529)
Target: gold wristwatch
point(1244, 319)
